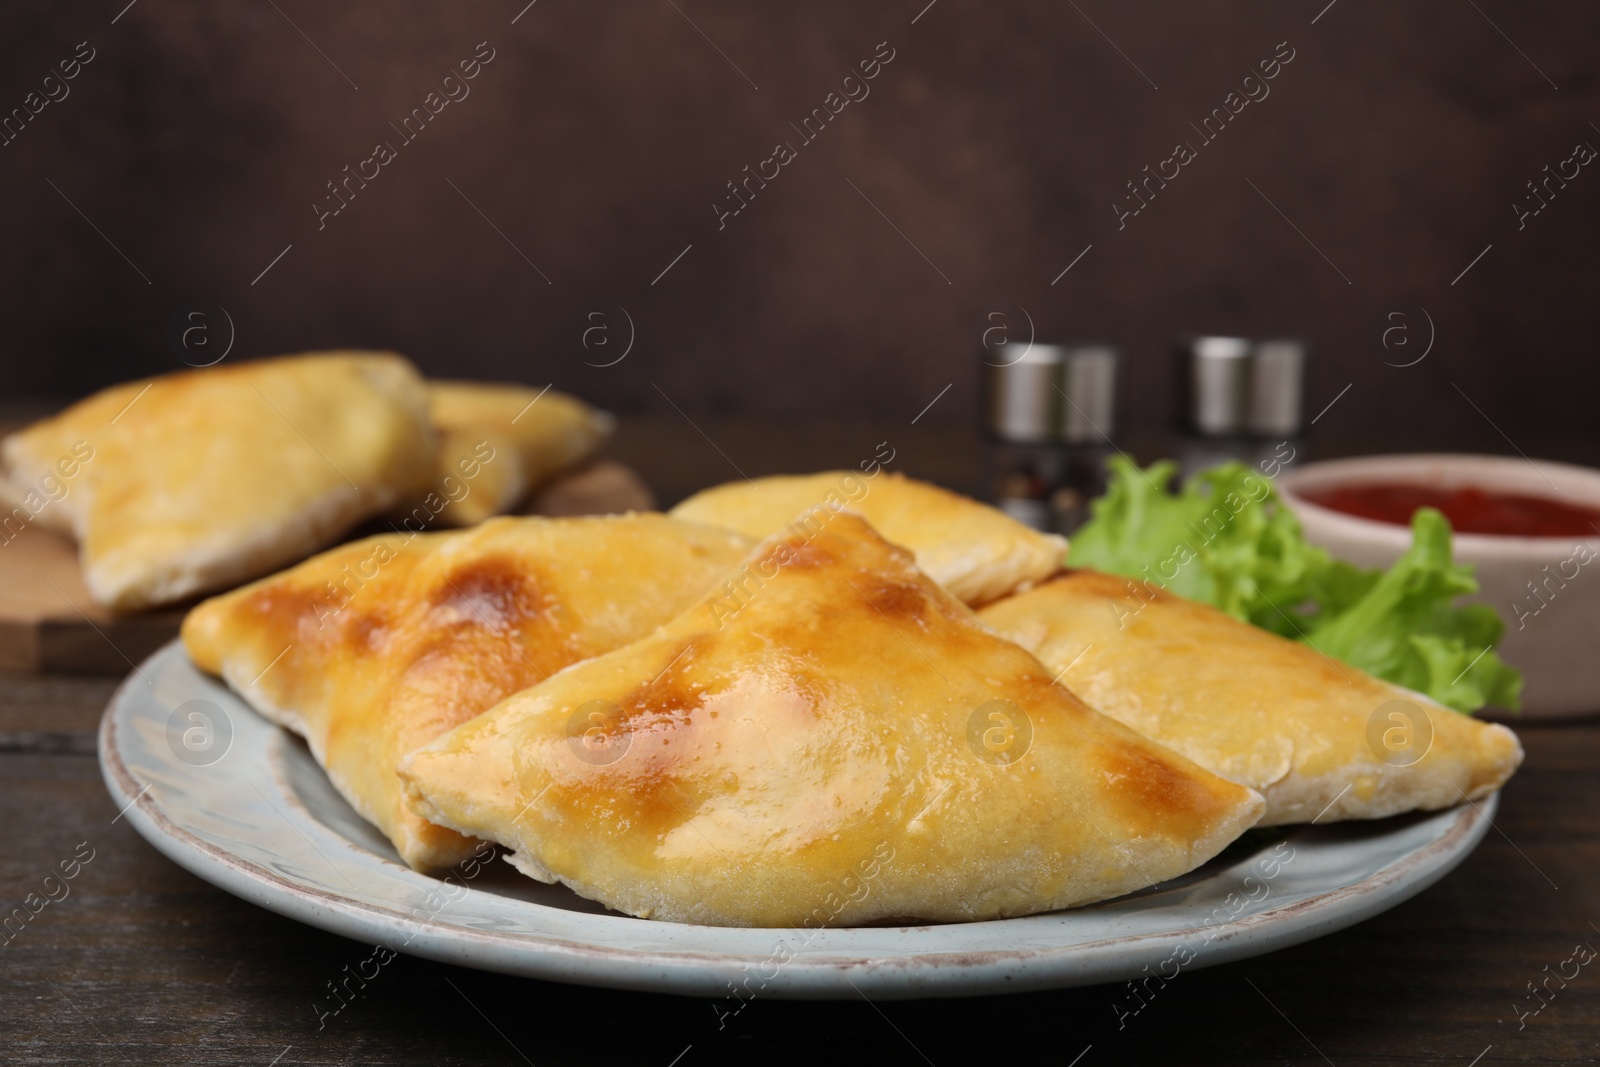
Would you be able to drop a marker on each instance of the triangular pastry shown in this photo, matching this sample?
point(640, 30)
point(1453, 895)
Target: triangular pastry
point(850, 746)
point(379, 646)
point(1319, 739)
point(498, 442)
point(202, 479)
point(975, 551)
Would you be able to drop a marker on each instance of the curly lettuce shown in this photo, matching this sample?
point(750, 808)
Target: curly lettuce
point(1225, 539)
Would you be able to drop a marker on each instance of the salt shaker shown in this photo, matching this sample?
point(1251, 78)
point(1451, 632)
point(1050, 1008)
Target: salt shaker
point(1216, 372)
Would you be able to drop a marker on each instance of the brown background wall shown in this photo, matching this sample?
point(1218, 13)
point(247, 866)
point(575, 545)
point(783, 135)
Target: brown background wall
point(996, 141)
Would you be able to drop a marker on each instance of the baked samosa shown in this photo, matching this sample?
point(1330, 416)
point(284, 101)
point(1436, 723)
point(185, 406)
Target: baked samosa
point(1319, 739)
point(975, 551)
point(498, 442)
point(202, 479)
point(850, 746)
point(379, 646)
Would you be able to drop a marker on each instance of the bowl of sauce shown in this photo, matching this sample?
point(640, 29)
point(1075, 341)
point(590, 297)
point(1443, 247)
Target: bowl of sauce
point(1530, 529)
point(1470, 509)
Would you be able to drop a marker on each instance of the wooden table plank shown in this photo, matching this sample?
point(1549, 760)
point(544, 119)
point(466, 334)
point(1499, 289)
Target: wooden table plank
point(52, 714)
point(145, 963)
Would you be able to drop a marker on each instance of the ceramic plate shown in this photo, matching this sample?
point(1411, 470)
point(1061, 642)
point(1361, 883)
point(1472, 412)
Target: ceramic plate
point(241, 803)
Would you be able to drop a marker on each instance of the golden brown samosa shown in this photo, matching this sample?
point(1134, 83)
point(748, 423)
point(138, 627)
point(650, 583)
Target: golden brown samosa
point(975, 551)
point(202, 479)
point(379, 646)
point(849, 746)
point(1319, 739)
point(498, 442)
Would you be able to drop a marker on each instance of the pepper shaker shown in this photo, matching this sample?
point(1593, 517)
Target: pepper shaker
point(1277, 403)
point(1049, 416)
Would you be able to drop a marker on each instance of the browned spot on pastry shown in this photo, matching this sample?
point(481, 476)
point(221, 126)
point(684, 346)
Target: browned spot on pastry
point(494, 592)
point(644, 785)
point(282, 601)
point(300, 612)
point(896, 600)
point(668, 697)
point(367, 630)
point(1154, 795)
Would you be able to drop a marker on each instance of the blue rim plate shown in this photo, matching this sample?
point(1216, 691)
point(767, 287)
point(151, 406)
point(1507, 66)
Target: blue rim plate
point(244, 806)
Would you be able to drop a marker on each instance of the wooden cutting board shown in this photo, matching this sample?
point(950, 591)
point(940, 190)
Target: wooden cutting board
point(49, 624)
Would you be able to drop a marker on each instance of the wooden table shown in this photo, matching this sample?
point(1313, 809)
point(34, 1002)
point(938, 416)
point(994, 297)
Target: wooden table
point(144, 963)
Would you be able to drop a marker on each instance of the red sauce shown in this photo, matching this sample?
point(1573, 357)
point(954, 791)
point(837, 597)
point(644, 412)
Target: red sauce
point(1469, 509)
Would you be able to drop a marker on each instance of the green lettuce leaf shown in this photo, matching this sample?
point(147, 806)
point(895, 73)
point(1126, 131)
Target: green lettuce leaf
point(1404, 629)
point(1225, 539)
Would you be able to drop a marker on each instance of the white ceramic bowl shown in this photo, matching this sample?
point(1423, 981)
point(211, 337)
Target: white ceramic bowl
point(1547, 589)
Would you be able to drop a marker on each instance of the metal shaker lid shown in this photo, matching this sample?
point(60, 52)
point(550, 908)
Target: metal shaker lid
point(1218, 374)
point(1053, 393)
point(1277, 388)
point(1089, 382)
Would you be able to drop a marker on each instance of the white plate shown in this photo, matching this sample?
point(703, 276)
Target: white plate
point(240, 803)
